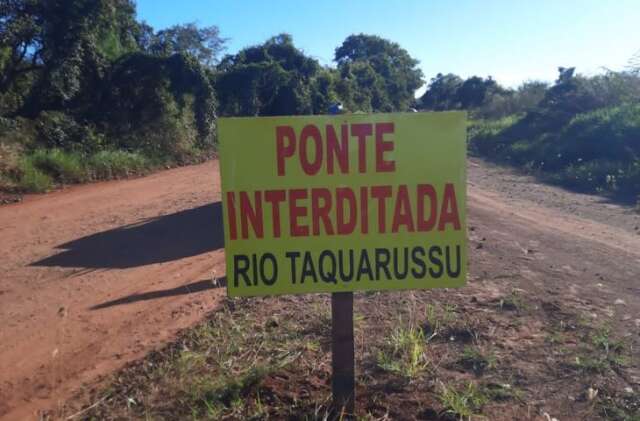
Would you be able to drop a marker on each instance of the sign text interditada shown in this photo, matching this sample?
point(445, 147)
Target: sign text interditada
point(343, 203)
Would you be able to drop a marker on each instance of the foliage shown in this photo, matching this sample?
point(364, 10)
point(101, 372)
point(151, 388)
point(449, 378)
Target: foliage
point(475, 360)
point(377, 74)
point(582, 132)
point(61, 166)
point(463, 402)
point(442, 93)
point(106, 165)
point(31, 179)
point(204, 44)
point(451, 92)
point(164, 106)
point(508, 102)
point(64, 45)
point(79, 77)
point(404, 352)
point(274, 78)
point(88, 91)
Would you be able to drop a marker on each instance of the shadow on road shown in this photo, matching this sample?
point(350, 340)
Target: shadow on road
point(152, 295)
point(163, 239)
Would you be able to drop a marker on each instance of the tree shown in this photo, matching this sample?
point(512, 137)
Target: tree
point(164, 105)
point(20, 39)
point(274, 78)
point(474, 91)
point(381, 75)
point(205, 44)
point(442, 93)
point(65, 44)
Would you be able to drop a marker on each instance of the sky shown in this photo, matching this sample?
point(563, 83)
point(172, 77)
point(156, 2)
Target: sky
point(513, 41)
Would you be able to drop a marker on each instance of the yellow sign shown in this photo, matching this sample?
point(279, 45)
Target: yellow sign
point(344, 203)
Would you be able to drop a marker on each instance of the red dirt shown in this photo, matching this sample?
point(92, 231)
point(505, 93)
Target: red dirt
point(98, 275)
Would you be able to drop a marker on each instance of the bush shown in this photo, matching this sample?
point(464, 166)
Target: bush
point(159, 106)
point(594, 151)
point(59, 130)
point(31, 179)
point(63, 167)
point(117, 164)
point(487, 136)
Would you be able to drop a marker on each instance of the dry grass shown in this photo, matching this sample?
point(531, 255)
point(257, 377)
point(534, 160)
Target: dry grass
point(420, 354)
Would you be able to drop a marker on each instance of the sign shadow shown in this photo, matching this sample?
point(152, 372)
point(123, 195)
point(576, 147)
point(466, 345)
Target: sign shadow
point(161, 239)
point(191, 288)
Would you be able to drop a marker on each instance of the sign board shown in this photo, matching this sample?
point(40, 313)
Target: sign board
point(344, 203)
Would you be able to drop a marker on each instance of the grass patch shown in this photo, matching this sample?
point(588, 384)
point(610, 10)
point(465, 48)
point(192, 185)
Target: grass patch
point(462, 402)
point(592, 151)
point(107, 165)
point(502, 392)
point(438, 319)
point(512, 302)
point(444, 323)
point(268, 358)
point(403, 352)
point(31, 179)
point(475, 360)
point(619, 408)
point(605, 353)
point(221, 369)
point(61, 166)
point(43, 169)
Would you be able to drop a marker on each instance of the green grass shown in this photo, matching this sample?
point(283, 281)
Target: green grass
point(595, 151)
point(403, 352)
point(463, 402)
point(106, 165)
point(619, 408)
point(439, 319)
point(64, 167)
point(43, 169)
point(476, 360)
point(31, 179)
point(602, 353)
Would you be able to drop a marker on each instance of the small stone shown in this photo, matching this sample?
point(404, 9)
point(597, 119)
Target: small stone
point(620, 302)
point(628, 390)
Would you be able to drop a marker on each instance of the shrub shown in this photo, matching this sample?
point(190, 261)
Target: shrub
point(31, 179)
point(59, 130)
point(160, 106)
point(106, 165)
point(593, 151)
point(64, 167)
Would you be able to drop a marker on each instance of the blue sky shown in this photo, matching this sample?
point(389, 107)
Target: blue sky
point(512, 40)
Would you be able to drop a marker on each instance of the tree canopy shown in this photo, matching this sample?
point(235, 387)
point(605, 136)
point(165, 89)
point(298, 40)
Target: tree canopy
point(273, 78)
point(205, 44)
point(377, 74)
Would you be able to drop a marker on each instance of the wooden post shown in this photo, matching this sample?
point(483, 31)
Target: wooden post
point(342, 354)
point(342, 350)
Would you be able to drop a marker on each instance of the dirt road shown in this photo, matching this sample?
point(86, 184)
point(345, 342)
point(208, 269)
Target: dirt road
point(97, 275)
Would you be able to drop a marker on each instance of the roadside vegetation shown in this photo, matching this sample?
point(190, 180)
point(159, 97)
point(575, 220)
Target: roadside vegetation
point(88, 92)
point(582, 132)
